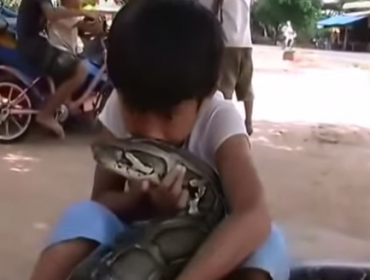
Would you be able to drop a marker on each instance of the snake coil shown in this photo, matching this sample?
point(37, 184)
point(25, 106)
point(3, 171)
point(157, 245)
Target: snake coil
point(157, 249)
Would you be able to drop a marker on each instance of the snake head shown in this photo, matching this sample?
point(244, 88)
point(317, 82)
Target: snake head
point(143, 159)
point(130, 161)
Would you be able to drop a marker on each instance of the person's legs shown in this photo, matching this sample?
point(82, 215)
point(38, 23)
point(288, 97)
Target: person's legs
point(57, 262)
point(229, 72)
point(69, 73)
point(244, 88)
point(81, 229)
point(86, 225)
point(269, 262)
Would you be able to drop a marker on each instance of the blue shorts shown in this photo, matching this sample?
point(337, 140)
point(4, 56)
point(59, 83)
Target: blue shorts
point(91, 220)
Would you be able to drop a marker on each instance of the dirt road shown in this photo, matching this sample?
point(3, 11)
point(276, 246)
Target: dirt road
point(316, 176)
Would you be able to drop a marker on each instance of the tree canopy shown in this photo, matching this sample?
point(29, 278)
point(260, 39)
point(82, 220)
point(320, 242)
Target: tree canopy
point(301, 13)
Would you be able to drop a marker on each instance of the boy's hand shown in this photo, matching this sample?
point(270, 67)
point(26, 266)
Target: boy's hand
point(168, 196)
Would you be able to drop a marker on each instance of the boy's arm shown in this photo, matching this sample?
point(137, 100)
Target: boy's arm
point(248, 225)
point(54, 13)
point(108, 188)
point(57, 13)
point(105, 181)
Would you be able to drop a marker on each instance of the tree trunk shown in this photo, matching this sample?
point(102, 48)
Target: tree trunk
point(276, 33)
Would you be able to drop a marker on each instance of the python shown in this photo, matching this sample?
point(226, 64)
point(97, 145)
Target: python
point(158, 248)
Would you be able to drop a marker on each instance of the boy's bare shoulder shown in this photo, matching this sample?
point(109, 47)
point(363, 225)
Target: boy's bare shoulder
point(218, 121)
point(223, 113)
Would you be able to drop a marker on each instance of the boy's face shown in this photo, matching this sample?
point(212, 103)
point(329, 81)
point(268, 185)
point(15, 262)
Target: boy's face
point(174, 130)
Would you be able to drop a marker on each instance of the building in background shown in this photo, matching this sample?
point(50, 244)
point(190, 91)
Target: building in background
point(350, 28)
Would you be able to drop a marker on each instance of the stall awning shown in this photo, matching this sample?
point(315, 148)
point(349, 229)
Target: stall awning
point(340, 20)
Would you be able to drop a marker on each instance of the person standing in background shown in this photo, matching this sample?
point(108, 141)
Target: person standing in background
point(237, 71)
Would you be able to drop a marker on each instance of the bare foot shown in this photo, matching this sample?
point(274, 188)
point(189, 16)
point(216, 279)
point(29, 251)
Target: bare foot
point(52, 125)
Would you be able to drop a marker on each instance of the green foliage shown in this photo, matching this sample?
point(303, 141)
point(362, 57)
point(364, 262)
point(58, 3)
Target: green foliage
point(14, 4)
point(89, 2)
point(302, 13)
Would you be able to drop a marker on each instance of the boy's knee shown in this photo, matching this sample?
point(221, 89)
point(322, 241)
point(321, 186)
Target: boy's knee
point(86, 220)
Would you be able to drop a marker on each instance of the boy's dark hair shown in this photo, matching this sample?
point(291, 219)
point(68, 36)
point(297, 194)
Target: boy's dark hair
point(163, 52)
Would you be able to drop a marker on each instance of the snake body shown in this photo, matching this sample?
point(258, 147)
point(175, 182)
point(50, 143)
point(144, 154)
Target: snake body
point(156, 249)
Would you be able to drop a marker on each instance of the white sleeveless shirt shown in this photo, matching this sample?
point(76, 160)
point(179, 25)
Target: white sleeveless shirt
point(217, 121)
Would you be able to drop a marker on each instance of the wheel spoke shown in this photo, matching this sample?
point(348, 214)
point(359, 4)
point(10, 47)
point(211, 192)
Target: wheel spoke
point(14, 120)
point(22, 111)
point(10, 94)
point(6, 128)
point(17, 113)
point(19, 98)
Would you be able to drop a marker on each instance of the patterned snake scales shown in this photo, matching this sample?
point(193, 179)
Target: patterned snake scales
point(157, 249)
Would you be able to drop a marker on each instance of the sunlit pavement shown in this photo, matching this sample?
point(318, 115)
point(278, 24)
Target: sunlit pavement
point(294, 92)
point(326, 96)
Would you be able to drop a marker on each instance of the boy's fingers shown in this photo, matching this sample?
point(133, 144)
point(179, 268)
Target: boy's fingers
point(144, 186)
point(170, 178)
point(183, 200)
point(179, 180)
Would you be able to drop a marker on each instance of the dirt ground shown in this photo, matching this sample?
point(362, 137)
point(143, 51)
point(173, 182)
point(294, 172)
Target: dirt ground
point(311, 147)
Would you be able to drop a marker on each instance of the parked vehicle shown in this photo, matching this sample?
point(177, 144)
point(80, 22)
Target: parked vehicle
point(23, 90)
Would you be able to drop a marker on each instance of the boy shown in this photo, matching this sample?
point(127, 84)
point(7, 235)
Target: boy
point(237, 71)
point(67, 70)
point(164, 58)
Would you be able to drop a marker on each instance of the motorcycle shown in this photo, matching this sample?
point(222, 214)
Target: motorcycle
point(23, 90)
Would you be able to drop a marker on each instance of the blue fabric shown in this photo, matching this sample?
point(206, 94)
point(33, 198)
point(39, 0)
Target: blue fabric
point(90, 220)
point(87, 219)
point(272, 256)
point(339, 20)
